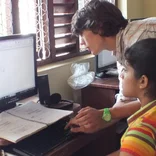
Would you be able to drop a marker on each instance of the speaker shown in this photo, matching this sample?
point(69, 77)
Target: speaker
point(43, 88)
point(51, 101)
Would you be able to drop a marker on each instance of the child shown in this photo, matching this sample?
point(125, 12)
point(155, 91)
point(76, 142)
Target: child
point(139, 80)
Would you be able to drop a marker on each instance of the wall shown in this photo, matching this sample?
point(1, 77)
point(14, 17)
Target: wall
point(60, 72)
point(122, 5)
point(149, 8)
point(137, 8)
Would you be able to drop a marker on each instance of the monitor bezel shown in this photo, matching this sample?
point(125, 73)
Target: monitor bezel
point(9, 102)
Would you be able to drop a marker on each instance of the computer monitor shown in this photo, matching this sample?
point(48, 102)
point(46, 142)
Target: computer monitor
point(103, 62)
point(18, 73)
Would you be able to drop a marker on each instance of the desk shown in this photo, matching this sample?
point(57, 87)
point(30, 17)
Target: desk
point(98, 94)
point(86, 144)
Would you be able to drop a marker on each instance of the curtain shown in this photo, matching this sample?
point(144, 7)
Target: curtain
point(34, 19)
point(42, 30)
point(5, 18)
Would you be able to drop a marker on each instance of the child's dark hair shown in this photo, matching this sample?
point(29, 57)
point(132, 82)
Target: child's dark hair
point(142, 57)
point(99, 16)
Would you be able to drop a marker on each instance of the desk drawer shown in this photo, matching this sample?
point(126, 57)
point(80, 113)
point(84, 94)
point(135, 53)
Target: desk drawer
point(98, 97)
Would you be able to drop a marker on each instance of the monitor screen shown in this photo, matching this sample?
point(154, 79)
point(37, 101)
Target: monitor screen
point(17, 69)
point(104, 61)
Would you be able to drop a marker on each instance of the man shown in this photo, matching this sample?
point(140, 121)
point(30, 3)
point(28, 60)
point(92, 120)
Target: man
point(102, 26)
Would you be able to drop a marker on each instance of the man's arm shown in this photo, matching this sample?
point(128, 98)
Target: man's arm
point(89, 120)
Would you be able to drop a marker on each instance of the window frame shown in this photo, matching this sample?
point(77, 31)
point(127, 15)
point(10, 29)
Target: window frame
point(52, 58)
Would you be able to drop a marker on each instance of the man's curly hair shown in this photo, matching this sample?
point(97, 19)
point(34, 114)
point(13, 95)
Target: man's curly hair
point(99, 16)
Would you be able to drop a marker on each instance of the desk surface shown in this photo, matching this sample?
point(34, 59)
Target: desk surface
point(111, 83)
point(101, 94)
point(86, 141)
point(100, 143)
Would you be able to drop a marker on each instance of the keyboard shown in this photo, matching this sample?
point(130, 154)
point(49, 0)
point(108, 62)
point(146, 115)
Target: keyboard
point(44, 141)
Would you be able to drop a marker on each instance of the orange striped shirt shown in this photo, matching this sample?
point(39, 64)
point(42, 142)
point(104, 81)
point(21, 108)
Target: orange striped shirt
point(140, 137)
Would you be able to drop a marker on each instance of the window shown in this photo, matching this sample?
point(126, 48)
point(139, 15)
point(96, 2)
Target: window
point(49, 19)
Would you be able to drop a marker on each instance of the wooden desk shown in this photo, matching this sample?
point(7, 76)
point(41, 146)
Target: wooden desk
point(97, 144)
point(100, 93)
point(86, 144)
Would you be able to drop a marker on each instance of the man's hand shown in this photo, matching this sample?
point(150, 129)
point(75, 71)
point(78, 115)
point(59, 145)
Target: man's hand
point(88, 120)
point(4, 142)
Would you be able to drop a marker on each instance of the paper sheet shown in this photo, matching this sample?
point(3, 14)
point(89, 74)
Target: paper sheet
point(37, 112)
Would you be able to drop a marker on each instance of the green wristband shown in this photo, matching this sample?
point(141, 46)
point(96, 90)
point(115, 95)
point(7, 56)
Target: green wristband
point(106, 115)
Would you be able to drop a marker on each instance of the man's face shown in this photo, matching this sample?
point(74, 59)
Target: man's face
point(94, 42)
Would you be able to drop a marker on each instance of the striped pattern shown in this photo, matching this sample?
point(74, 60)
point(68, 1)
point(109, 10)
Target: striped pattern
point(140, 137)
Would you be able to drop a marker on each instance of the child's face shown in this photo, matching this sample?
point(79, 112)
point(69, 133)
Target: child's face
point(130, 84)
